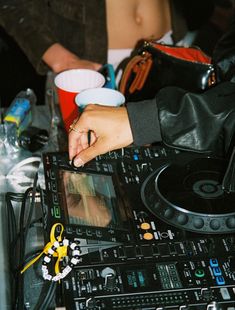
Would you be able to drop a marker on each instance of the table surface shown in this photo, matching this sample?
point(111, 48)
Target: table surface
point(17, 172)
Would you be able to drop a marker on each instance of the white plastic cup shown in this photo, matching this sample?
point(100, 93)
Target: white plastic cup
point(103, 96)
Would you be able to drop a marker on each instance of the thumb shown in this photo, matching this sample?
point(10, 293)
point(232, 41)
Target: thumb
point(88, 154)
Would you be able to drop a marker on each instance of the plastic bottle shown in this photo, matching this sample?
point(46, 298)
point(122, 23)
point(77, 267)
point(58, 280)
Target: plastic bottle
point(19, 115)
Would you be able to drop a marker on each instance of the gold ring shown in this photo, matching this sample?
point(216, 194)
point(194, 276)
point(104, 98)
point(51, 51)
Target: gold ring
point(72, 128)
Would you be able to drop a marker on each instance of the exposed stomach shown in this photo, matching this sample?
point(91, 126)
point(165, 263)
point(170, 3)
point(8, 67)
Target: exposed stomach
point(129, 21)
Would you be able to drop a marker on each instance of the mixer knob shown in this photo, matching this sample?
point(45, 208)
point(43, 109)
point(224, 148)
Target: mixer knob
point(212, 306)
point(106, 271)
point(110, 282)
point(90, 303)
point(184, 307)
point(109, 276)
point(206, 293)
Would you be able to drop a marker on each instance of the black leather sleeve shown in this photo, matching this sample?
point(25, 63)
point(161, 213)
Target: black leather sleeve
point(202, 123)
point(224, 55)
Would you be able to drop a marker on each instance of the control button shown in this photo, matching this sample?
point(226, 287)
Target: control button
point(217, 271)
point(146, 250)
point(225, 293)
point(199, 273)
point(198, 222)
point(121, 252)
point(220, 280)
point(135, 157)
point(79, 231)
point(215, 224)
point(230, 222)
point(169, 213)
point(214, 262)
point(53, 186)
point(130, 252)
point(69, 230)
point(148, 236)
point(145, 226)
point(57, 213)
point(182, 219)
point(155, 250)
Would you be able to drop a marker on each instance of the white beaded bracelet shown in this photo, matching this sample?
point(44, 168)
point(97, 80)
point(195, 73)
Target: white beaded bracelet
point(75, 258)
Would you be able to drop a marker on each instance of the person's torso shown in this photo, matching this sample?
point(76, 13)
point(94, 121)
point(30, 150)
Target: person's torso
point(90, 27)
point(129, 21)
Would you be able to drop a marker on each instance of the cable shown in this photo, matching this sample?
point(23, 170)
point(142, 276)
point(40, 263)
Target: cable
point(17, 240)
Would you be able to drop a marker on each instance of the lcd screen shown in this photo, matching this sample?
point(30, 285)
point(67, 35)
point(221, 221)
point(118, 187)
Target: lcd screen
point(90, 199)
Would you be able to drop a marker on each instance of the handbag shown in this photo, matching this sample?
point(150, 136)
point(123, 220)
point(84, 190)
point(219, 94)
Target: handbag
point(157, 65)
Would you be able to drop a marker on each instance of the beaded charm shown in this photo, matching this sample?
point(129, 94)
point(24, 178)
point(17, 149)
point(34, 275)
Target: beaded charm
point(57, 248)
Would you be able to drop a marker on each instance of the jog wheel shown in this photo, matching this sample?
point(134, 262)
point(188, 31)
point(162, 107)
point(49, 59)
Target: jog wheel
point(191, 197)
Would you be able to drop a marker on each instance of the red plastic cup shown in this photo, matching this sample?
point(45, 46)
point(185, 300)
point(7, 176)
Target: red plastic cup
point(71, 82)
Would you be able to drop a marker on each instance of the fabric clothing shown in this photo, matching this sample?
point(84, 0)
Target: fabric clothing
point(79, 25)
point(224, 55)
point(203, 123)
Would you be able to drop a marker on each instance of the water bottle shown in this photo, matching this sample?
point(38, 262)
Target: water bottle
point(19, 116)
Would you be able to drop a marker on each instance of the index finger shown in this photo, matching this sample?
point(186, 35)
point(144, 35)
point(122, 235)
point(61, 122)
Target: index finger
point(77, 138)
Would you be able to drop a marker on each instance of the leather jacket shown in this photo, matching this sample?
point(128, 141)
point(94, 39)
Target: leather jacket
point(224, 55)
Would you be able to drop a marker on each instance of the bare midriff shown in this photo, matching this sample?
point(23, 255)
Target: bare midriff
point(129, 21)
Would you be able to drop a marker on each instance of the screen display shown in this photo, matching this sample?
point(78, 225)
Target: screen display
point(90, 199)
point(136, 279)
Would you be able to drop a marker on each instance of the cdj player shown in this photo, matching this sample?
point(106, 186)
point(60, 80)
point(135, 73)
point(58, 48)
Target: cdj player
point(155, 227)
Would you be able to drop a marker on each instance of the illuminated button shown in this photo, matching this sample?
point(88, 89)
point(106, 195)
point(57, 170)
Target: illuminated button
point(57, 212)
point(199, 273)
point(225, 294)
point(220, 280)
point(148, 236)
point(135, 157)
point(214, 262)
point(145, 226)
point(217, 271)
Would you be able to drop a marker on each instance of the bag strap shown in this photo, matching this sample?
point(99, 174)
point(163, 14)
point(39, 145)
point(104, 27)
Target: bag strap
point(140, 65)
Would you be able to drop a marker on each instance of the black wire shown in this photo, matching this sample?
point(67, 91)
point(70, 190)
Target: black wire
point(20, 277)
point(47, 295)
point(32, 204)
point(12, 234)
point(17, 238)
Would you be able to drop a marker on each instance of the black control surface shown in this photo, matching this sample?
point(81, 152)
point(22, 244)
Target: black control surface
point(139, 256)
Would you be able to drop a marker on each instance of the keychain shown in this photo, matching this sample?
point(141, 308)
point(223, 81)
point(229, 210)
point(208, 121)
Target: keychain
point(58, 248)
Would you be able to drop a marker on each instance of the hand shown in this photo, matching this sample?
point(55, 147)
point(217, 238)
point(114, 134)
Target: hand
point(59, 59)
point(108, 127)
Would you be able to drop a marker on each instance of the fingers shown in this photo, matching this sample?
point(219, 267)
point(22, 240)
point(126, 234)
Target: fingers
point(98, 148)
point(99, 129)
point(78, 140)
